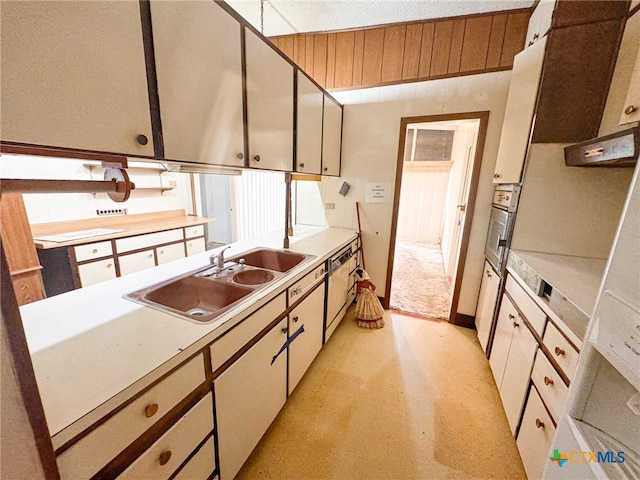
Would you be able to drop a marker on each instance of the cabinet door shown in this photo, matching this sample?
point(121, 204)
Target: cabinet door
point(74, 75)
point(631, 108)
point(169, 253)
point(199, 70)
point(248, 396)
point(502, 339)
point(96, 272)
point(269, 106)
point(517, 371)
point(331, 137)
point(535, 436)
point(307, 316)
point(135, 262)
point(486, 304)
point(540, 21)
point(308, 126)
point(195, 245)
point(518, 115)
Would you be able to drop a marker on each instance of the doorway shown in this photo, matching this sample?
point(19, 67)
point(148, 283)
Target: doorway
point(436, 181)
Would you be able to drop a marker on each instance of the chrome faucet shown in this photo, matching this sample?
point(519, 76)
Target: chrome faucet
point(217, 260)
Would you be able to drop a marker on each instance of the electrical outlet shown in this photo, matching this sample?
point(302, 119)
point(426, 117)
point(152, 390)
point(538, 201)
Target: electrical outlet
point(330, 206)
point(112, 211)
point(173, 184)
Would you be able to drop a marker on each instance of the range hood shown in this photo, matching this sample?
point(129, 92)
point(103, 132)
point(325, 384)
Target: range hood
point(619, 149)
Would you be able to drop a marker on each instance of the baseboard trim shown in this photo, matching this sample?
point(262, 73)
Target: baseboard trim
point(466, 321)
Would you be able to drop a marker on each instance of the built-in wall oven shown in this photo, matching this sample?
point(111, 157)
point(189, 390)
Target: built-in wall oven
point(503, 208)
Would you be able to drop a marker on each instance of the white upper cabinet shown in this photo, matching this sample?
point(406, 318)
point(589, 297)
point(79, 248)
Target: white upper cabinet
point(309, 126)
point(631, 108)
point(518, 115)
point(269, 106)
point(199, 73)
point(331, 137)
point(540, 21)
point(74, 76)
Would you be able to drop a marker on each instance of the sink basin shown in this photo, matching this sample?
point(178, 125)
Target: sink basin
point(253, 277)
point(193, 297)
point(271, 259)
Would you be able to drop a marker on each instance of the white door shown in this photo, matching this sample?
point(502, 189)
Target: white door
point(269, 106)
point(199, 70)
point(74, 75)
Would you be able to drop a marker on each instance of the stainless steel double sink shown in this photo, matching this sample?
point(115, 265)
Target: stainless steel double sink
point(202, 295)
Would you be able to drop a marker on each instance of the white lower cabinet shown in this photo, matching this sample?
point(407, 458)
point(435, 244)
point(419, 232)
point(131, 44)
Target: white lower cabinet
point(249, 395)
point(535, 435)
point(169, 253)
point(162, 459)
point(305, 321)
point(195, 245)
point(486, 304)
point(96, 272)
point(514, 348)
point(201, 465)
point(135, 262)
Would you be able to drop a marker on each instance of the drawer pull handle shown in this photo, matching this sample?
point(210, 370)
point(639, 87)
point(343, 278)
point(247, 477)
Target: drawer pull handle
point(284, 330)
point(95, 250)
point(539, 423)
point(295, 319)
point(161, 252)
point(296, 291)
point(511, 316)
point(165, 457)
point(559, 351)
point(109, 265)
point(548, 381)
point(257, 158)
point(150, 410)
point(516, 324)
point(630, 109)
point(488, 274)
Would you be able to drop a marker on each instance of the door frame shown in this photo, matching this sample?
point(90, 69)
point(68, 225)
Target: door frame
point(483, 116)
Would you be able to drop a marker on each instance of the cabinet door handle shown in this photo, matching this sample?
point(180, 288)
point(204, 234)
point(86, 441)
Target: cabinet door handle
point(302, 165)
point(511, 316)
point(539, 423)
point(319, 273)
point(284, 330)
point(630, 109)
point(142, 139)
point(165, 457)
point(559, 351)
point(488, 274)
point(256, 158)
point(496, 175)
point(515, 324)
point(325, 169)
point(95, 250)
point(109, 265)
point(150, 410)
point(548, 381)
point(295, 319)
point(240, 156)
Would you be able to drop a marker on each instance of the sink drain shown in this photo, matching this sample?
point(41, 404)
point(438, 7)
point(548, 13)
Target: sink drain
point(197, 312)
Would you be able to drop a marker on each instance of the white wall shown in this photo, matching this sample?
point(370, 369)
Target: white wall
point(369, 154)
point(57, 207)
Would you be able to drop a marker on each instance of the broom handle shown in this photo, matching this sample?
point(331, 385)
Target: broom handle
point(360, 235)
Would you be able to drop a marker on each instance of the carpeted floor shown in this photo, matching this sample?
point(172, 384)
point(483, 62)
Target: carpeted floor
point(419, 284)
point(413, 400)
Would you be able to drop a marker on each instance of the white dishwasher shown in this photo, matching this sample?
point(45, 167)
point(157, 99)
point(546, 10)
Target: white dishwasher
point(337, 288)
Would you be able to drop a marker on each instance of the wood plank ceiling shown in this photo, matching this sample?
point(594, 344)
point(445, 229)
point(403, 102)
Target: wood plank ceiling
point(409, 52)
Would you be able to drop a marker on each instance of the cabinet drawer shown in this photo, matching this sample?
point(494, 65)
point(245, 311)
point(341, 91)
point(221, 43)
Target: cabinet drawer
point(195, 231)
point(195, 245)
point(201, 465)
point(551, 387)
point(232, 341)
point(170, 450)
point(93, 250)
point(169, 253)
point(97, 448)
point(135, 262)
point(561, 350)
point(535, 436)
point(149, 240)
point(534, 315)
point(96, 272)
point(305, 283)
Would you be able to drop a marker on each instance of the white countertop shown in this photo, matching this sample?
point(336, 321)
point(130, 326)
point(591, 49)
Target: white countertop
point(89, 346)
point(576, 278)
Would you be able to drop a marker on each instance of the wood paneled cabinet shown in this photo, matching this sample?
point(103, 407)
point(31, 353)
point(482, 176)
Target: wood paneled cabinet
point(331, 137)
point(74, 76)
point(199, 83)
point(269, 83)
point(308, 125)
point(486, 304)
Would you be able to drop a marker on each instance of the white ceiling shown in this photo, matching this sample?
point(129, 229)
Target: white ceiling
point(283, 17)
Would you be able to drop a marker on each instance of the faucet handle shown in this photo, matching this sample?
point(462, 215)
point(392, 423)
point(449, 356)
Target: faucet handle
point(241, 262)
